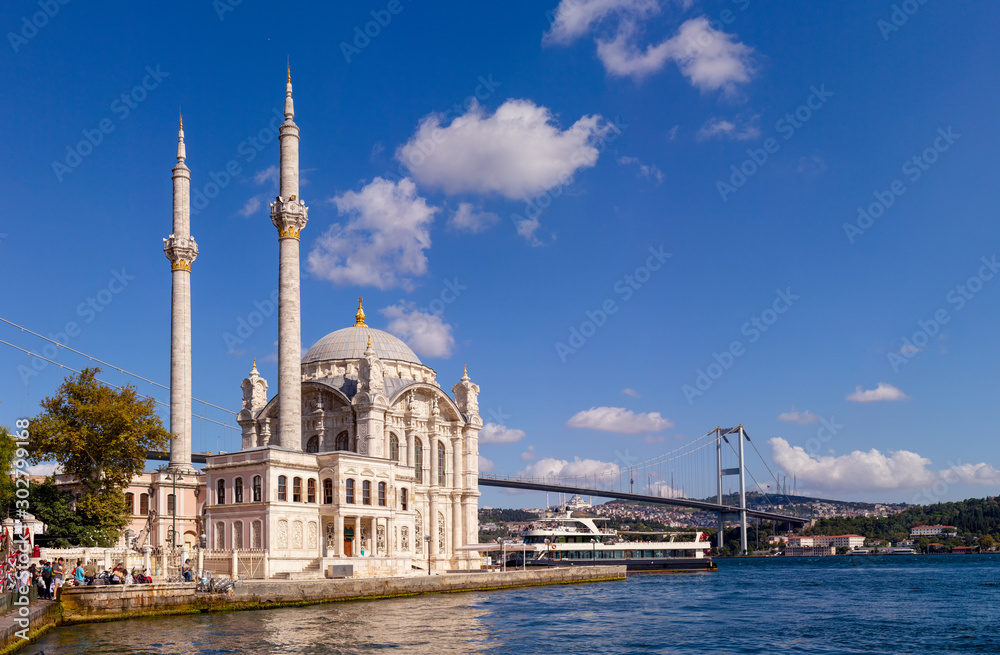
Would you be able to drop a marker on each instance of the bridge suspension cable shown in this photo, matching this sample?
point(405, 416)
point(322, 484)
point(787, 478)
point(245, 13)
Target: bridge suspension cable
point(99, 361)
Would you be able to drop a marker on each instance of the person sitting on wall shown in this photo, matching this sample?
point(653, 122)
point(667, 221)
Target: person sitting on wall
point(187, 572)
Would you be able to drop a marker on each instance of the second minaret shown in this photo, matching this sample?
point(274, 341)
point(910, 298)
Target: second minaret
point(181, 250)
point(289, 215)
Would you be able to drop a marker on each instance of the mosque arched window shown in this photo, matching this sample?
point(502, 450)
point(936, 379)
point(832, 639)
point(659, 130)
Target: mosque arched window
point(402, 499)
point(312, 446)
point(328, 491)
point(349, 490)
point(238, 490)
point(381, 494)
point(441, 464)
point(130, 502)
point(366, 492)
point(282, 487)
point(341, 442)
point(393, 447)
point(256, 488)
point(144, 504)
point(418, 459)
point(297, 490)
point(220, 492)
point(310, 491)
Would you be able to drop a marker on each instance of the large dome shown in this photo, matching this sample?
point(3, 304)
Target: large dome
point(351, 342)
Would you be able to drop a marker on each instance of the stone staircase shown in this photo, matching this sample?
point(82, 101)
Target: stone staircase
point(312, 571)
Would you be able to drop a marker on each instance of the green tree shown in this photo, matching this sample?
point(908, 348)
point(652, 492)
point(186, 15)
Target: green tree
point(987, 542)
point(99, 436)
point(8, 449)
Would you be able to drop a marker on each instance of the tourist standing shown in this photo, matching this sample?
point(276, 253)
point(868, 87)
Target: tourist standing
point(47, 579)
point(58, 576)
point(79, 575)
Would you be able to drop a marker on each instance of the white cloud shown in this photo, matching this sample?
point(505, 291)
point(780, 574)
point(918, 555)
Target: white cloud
point(981, 473)
point(672, 133)
point(629, 391)
point(383, 241)
point(528, 455)
point(494, 433)
point(737, 129)
point(709, 58)
point(517, 152)
point(426, 334)
point(646, 171)
point(485, 465)
point(574, 18)
point(468, 220)
point(795, 416)
point(873, 470)
point(527, 227)
point(620, 420)
point(655, 439)
point(882, 393)
point(550, 467)
point(251, 206)
point(856, 471)
point(621, 57)
point(269, 174)
point(663, 490)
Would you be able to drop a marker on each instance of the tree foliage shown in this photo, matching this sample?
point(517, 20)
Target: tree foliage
point(973, 517)
point(99, 436)
point(8, 447)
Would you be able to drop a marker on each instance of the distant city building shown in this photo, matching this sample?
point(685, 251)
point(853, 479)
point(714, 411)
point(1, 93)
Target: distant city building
point(810, 551)
point(835, 541)
point(932, 530)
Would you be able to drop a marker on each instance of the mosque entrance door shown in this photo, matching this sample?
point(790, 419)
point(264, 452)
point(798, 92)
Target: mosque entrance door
point(348, 541)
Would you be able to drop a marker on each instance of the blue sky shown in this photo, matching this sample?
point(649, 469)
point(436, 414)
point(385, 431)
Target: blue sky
point(729, 145)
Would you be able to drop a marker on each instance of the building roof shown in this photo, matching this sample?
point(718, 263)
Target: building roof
point(351, 342)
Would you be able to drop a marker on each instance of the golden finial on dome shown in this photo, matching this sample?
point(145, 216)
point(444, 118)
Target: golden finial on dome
point(182, 119)
point(369, 341)
point(359, 318)
point(465, 369)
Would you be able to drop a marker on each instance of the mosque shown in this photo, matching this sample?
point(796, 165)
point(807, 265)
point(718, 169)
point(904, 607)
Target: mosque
point(360, 460)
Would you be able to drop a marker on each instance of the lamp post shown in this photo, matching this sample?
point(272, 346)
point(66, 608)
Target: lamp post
point(427, 541)
point(177, 477)
point(594, 545)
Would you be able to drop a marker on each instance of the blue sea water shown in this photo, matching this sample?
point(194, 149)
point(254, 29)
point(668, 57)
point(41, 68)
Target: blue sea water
point(821, 606)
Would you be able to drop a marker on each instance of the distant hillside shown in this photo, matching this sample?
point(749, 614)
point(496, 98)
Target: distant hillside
point(972, 517)
point(497, 515)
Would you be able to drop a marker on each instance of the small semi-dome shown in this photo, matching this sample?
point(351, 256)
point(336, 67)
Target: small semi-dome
point(351, 343)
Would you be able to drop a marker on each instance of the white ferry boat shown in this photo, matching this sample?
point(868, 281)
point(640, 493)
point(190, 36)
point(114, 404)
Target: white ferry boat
point(571, 541)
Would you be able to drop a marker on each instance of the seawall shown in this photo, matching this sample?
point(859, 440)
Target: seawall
point(112, 603)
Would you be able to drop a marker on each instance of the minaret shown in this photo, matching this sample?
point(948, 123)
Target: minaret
point(181, 250)
point(288, 214)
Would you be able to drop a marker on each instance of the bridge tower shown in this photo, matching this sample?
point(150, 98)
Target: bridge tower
point(720, 435)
